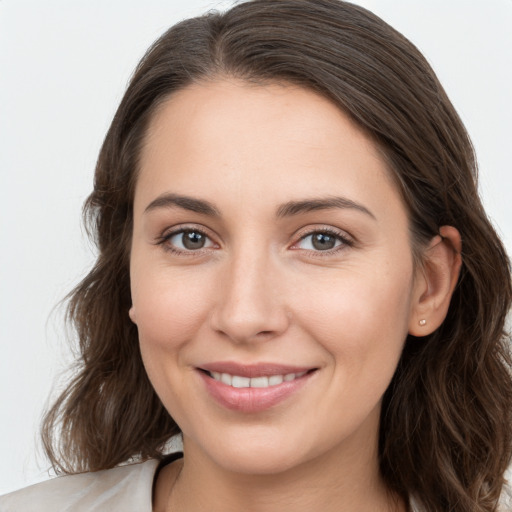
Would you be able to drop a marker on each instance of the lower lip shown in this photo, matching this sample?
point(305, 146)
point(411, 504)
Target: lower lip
point(250, 400)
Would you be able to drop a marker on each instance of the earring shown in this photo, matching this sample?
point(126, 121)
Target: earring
point(422, 322)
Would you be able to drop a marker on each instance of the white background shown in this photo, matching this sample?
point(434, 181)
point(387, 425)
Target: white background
point(63, 69)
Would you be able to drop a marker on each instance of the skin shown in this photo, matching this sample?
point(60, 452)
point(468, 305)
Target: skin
point(260, 291)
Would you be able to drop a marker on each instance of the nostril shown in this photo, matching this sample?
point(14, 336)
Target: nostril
point(245, 323)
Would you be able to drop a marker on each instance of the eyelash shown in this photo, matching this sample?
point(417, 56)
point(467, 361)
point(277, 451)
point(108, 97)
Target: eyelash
point(345, 241)
point(173, 250)
point(339, 236)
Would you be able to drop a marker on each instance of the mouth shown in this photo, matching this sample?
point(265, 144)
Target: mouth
point(253, 388)
point(239, 381)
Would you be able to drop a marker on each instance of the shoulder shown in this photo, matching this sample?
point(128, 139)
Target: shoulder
point(124, 488)
point(506, 498)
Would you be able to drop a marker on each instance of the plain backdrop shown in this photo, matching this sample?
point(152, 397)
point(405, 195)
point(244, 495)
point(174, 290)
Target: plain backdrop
point(63, 68)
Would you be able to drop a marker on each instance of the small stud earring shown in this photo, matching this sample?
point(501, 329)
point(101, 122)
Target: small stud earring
point(422, 322)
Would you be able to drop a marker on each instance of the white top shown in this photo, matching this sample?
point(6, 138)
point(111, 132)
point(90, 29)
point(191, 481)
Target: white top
point(126, 488)
point(121, 489)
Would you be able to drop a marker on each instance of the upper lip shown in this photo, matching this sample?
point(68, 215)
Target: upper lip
point(253, 370)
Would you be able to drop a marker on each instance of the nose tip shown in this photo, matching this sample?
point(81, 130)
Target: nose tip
point(249, 307)
point(245, 320)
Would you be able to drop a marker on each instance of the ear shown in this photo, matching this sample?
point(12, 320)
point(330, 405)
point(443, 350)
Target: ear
point(435, 282)
point(132, 315)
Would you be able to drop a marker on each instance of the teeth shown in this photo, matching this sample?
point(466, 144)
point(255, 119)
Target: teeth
point(275, 380)
point(226, 379)
point(259, 382)
point(240, 382)
point(256, 382)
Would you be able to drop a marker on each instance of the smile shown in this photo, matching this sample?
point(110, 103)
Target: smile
point(237, 381)
point(253, 388)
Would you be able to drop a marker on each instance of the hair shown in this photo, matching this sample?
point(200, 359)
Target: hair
point(445, 431)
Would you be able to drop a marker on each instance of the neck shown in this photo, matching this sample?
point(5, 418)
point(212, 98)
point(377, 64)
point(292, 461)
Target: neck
point(331, 482)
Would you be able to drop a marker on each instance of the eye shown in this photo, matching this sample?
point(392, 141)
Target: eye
point(323, 241)
point(186, 240)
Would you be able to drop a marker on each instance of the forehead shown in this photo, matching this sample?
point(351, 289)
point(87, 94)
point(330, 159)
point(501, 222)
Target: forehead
point(258, 141)
point(225, 114)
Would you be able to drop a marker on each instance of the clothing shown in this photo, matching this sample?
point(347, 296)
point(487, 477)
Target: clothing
point(126, 488)
point(122, 489)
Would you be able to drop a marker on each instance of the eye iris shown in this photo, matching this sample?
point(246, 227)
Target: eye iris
point(193, 240)
point(323, 241)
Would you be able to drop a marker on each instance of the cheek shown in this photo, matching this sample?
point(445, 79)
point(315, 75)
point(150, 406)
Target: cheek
point(360, 318)
point(169, 307)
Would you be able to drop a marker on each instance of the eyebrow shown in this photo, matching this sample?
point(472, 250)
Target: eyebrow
point(288, 209)
point(309, 205)
point(187, 203)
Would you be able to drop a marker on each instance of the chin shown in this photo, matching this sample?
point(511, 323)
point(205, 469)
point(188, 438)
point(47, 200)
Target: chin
point(260, 462)
point(262, 453)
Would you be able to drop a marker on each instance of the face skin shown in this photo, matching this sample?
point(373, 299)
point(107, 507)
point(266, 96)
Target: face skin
point(259, 290)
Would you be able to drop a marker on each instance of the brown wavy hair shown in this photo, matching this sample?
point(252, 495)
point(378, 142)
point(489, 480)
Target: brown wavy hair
point(445, 434)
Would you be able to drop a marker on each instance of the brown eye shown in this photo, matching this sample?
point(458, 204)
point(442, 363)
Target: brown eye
point(322, 241)
point(189, 240)
point(193, 240)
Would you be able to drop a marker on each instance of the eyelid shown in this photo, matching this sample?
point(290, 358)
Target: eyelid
point(343, 236)
point(168, 233)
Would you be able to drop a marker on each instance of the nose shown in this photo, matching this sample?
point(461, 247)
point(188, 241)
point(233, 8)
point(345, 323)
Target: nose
point(249, 305)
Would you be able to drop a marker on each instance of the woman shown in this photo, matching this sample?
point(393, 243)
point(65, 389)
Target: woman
point(295, 273)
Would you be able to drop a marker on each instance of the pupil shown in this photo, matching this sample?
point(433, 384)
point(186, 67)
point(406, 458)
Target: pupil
point(193, 240)
point(323, 242)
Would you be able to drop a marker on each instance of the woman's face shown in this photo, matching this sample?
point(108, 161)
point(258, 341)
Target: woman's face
point(271, 272)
